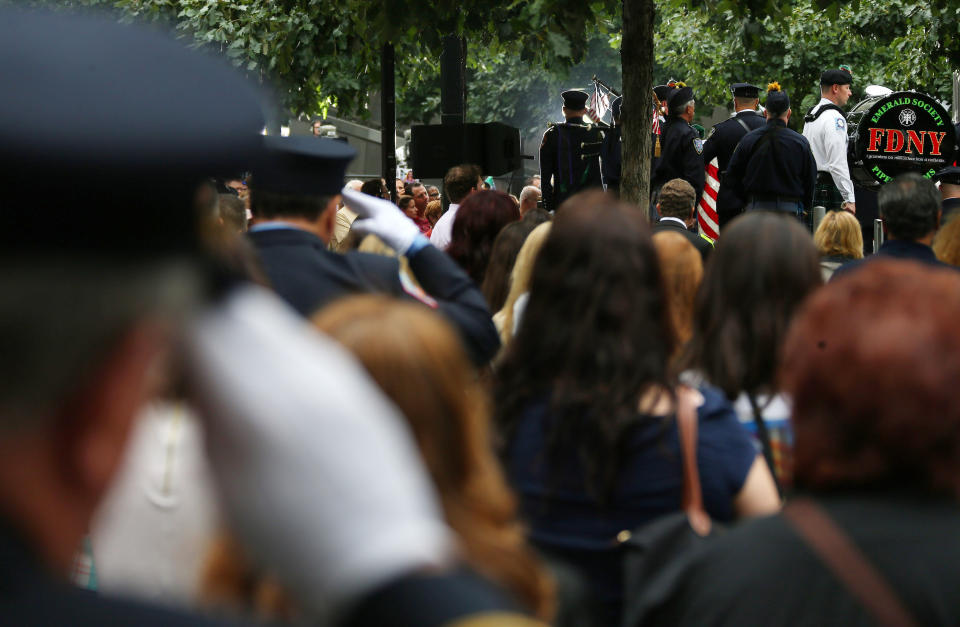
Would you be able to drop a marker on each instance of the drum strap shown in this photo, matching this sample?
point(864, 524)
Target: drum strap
point(810, 117)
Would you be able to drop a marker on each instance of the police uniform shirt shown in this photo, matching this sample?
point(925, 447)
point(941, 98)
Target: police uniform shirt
point(569, 160)
point(681, 155)
point(828, 141)
point(721, 144)
point(781, 166)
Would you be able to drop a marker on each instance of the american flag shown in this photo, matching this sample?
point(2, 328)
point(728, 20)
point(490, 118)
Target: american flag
point(707, 216)
point(599, 101)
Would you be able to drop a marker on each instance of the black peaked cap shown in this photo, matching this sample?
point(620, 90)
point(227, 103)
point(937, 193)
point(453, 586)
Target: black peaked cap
point(302, 165)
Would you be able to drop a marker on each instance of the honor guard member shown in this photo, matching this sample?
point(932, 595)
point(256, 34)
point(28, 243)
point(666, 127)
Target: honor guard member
point(570, 153)
point(724, 139)
point(949, 179)
point(825, 127)
point(773, 168)
point(662, 93)
point(610, 152)
point(681, 153)
point(295, 191)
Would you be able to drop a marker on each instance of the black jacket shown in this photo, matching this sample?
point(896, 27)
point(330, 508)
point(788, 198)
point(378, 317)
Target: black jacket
point(773, 161)
point(30, 595)
point(698, 242)
point(721, 144)
point(308, 276)
point(681, 151)
point(570, 154)
point(896, 249)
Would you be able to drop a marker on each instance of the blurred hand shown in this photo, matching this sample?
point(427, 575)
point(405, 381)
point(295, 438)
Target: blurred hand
point(318, 476)
point(383, 219)
point(850, 206)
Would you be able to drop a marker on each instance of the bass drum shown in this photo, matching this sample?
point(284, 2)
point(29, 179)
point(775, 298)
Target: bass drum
point(904, 131)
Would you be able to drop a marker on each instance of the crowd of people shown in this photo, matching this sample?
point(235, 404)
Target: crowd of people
point(283, 396)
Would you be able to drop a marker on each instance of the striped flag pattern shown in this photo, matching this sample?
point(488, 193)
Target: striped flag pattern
point(707, 216)
point(599, 101)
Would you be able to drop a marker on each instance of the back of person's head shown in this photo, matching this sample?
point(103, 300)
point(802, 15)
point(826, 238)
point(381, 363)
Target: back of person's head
point(478, 222)
point(459, 181)
point(506, 246)
point(946, 244)
point(910, 207)
point(520, 278)
point(419, 362)
point(373, 187)
point(596, 333)
point(839, 235)
point(233, 212)
point(433, 211)
point(676, 199)
point(529, 196)
point(271, 205)
point(682, 268)
point(355, 184)
point(763, 267)
point(871, 363)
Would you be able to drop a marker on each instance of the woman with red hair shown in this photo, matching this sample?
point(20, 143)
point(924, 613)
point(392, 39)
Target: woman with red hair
point(479, 220)
point(872, 362)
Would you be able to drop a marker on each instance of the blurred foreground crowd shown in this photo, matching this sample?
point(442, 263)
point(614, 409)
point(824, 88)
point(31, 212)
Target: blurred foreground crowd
point(214, 411)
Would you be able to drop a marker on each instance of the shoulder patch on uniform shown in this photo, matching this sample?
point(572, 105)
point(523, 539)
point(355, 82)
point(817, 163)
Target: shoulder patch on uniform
point(841, 124)
point(698, 145)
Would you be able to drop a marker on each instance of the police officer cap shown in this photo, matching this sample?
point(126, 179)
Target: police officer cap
point(949, 175)
point(663, 92)
point(615, 106)
point(574, 99)
point(745, 90)
point(302, 165)
point(680, 97)
point(105, 131)
point(777, 100)
point(836, 77)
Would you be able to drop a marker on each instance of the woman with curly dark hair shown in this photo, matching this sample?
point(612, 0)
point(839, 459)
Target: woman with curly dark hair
point(585, 401)
point(478, 222)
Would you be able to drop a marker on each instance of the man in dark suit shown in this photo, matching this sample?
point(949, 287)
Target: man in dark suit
point(910, 208)
point(570, 153)
point(724, 139)
point(681, 149)
point(675, 208)
point(295, 191)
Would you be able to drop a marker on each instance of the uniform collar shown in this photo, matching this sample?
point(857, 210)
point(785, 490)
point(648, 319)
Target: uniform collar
point(776, 122)
point(575, 120)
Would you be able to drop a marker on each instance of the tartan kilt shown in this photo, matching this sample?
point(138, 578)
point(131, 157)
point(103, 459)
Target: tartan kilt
point(826, 194)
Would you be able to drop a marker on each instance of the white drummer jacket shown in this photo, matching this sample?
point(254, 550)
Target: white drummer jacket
point(828, 142)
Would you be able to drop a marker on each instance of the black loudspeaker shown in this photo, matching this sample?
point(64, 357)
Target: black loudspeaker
point(436, 148)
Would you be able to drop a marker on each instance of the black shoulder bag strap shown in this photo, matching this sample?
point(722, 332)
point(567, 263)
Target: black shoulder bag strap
point(848, 564)
point(764, 436)
point(811, 116)
point(742, 123)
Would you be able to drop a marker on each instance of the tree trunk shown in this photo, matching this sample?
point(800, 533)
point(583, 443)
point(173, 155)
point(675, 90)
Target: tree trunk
point(636, 56)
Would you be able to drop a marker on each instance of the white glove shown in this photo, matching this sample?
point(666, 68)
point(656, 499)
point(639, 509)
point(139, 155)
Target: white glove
point(376, 216)
point(319, 477)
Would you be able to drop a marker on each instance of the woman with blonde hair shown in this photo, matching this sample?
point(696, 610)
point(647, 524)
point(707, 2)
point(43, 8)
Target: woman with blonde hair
point(946, 243)
point(418, 361)
point(508, 318)
point(682, 269)
point(838, 240)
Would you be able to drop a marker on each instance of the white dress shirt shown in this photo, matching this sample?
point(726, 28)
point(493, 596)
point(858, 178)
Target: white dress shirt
point(443, 229)
point(828, 142)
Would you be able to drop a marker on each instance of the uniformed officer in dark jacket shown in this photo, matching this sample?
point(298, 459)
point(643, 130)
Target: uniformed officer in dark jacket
point(724, 139)
point(773, 168)
point(949, 179)
point(662, 93)
point(681, 148)
point(610, 155)
point(295, 190)
point(570, 153)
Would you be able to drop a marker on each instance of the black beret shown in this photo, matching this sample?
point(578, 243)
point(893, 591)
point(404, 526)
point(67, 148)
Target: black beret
point(106, 129)
point(949, 175)
point(745, 90)
point(302, 165)
point(680, 97)
point(574, 99)
point(836, 77)
point(615, 106)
